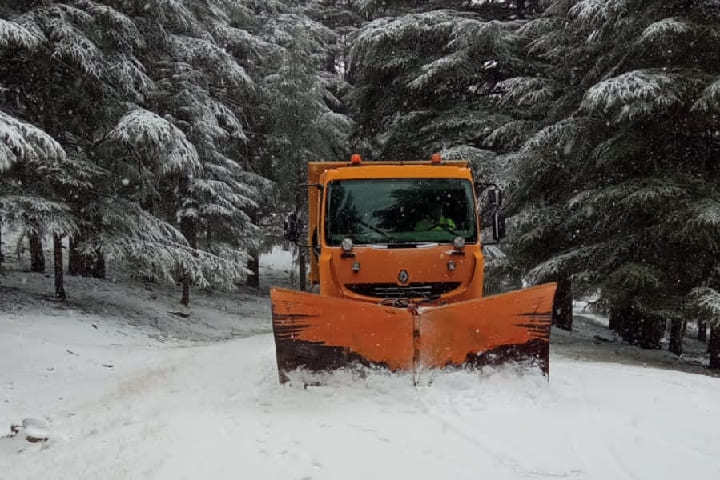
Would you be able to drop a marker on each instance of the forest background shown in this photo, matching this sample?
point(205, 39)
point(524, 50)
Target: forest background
point(166, 137)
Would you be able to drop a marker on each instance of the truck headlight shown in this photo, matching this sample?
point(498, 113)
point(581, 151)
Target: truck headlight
point(459, 243)
point(347, 245)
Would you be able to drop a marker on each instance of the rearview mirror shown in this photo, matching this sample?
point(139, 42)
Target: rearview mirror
point(498, 226)
point(495, 197)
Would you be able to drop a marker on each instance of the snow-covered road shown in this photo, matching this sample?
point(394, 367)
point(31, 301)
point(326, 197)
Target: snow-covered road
point(125, 398)
point(124, 406)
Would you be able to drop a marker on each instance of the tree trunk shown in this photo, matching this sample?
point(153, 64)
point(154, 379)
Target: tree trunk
point(99, 270)
point(189, 231)
point(702, 330)
point(1, 244)
point(58, 267)
point(676, 336)
point(74, 258)
point(620, 319)
point(563, 311)
point(613, 320)
point(185, 300)
point(37, 259)
point(187, 227)
point(714, 348)
point(253, 264)
point(253, 261)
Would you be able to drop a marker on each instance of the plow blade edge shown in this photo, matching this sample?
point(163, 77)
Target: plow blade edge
point(320, 333)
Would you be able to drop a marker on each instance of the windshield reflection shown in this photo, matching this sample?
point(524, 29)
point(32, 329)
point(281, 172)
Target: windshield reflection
point(400, 211)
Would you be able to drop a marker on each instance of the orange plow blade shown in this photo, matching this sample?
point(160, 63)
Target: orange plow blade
point(320, 333)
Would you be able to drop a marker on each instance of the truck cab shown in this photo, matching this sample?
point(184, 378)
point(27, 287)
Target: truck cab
point(395, 230)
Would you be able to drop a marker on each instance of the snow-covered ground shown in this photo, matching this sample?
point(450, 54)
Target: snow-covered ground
point(130, 390)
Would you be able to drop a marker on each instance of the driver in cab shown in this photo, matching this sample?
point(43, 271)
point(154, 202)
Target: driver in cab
point(435, 220)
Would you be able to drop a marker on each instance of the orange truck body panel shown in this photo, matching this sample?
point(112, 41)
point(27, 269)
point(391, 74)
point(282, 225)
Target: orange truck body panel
point(349, 322)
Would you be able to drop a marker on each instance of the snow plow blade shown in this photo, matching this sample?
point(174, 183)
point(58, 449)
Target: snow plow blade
point(319, 333)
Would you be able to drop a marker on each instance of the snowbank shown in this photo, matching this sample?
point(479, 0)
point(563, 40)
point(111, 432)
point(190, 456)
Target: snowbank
point(123, 392)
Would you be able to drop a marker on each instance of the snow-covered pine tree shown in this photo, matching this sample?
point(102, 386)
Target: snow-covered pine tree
point(194, 73)
point(705, 303)
point(206, 87)
point(37, 188)
point(65, 85)
point(155, 158)
point(622, 181)
point(303, 118)
point(423, 82)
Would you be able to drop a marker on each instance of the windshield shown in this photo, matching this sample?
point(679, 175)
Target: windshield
point(400, 211)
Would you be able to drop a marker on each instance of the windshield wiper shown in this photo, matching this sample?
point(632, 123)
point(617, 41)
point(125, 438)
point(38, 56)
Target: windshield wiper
point(385, 235)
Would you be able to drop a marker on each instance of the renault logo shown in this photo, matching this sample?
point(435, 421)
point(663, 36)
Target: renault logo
point(403, 277)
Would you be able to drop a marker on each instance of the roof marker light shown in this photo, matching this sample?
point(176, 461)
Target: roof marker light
point(355, 159)
point(436, 158)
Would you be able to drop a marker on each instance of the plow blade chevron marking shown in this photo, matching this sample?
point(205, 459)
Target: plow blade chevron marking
point(320, 333)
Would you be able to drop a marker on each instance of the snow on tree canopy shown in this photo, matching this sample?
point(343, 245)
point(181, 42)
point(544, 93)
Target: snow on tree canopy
point(526, 91)
point(49, 217)
point(438, 68)
point(172, 12)
point(564, 136)
point(703, 224)
point(129, 74)
point(706, 213)
point(598, 17)
point(117, 25)
point(636, 95)
point(510, 135)
point(60, 23)
point(14, 35)
point(21, 141)
point(647, 194)
point(159, 140)
point(707, 300)
point(567, 261)
point(371, 43)
point(709, 101)
point(667, 26)
point(205, 54)
point(539, 26)
point(594, 12)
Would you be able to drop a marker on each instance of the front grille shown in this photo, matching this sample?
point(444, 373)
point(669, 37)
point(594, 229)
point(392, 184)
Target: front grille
point(392, 290)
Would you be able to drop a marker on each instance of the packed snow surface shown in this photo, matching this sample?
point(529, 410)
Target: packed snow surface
point(120, 404)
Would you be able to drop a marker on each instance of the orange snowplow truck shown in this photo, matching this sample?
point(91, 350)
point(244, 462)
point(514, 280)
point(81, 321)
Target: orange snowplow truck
point(397, 264)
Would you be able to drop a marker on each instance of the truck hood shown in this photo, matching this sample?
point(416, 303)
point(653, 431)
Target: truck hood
point(388, 271)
